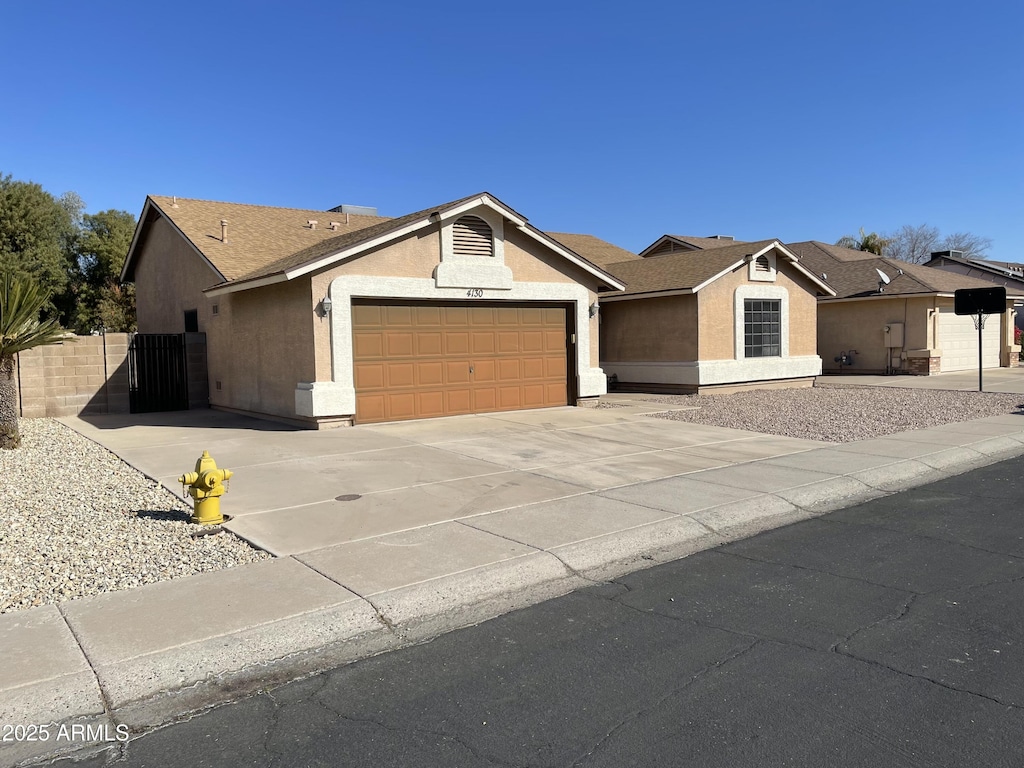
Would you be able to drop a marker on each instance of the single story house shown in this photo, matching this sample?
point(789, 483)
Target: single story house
point(334, 317)
point(889, 316)
point(1005, 273)
point(723, 317)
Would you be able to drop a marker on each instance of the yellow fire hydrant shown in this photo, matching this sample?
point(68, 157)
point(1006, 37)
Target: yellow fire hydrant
point(206, 486)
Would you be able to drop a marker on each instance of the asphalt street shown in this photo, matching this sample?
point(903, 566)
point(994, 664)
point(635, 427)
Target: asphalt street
point(886, 634)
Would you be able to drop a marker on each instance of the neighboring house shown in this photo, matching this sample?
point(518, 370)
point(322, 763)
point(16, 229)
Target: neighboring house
point(904, 326)
point(676, 243)
point(1005, 273)
point(321, 317)
point(722, 317)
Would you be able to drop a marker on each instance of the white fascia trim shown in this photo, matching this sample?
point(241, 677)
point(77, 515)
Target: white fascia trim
point(485, 200)
point(280, 277)
point(708, 372)
point(723, 273)
point(338, 396)
point(650, 295)
point(570, 256)
point(826, 302)
point(793, 259)
point(199, 253)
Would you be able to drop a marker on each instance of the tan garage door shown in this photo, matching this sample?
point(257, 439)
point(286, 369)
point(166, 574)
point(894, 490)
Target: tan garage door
point(415, 361)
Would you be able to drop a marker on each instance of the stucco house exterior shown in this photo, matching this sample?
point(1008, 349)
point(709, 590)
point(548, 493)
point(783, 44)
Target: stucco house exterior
point(719, 314)
point(905, 325)
point(332, 317)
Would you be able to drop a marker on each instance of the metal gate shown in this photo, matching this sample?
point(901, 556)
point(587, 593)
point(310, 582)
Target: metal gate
point(157, 373)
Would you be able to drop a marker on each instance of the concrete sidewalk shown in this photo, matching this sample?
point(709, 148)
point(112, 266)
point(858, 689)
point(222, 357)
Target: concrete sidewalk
point(456, 521)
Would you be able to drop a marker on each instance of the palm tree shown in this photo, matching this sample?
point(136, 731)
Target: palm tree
point(871, 242)
point(21, 299)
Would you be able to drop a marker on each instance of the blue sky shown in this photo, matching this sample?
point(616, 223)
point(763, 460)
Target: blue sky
point(795, 120)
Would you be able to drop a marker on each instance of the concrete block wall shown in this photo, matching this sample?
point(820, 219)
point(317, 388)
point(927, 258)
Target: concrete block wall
point(84, 374)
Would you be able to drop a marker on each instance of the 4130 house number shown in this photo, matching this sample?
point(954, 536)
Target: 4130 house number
point(475, 293)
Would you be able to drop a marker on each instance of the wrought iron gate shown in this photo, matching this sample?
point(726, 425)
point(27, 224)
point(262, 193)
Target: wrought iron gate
point(157, 372)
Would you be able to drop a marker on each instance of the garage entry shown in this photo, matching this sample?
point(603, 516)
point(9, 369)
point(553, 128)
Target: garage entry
point(958, 340)
point(415, 360)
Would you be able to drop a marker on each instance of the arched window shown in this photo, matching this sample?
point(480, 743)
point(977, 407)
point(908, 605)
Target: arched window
point(472, 236)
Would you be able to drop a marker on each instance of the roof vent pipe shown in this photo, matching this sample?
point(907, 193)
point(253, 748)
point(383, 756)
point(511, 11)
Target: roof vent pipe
point(334, 226)
point(312, 223)
point(223, 230)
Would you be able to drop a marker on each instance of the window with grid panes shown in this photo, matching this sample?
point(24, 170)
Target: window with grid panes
point(762, 328)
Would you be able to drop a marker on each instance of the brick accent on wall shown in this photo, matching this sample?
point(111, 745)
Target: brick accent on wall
point(923, 366)
point(85, 374)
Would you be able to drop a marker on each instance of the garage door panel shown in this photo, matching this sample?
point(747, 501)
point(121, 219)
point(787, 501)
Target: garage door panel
point(555, 367)
point(429, 343)
point(456, 343)
point(366, 315)
point(533, 368)
point(426, 317)
point(401, 375)
point(418, 361)
point(508, 342)
point(484, 371)
point(401, 405)
point(554, 341)
point(430, 374)
point(398, 344)
point(482, 343)
point(457, 372)
point(369, 376)
point(430, 404)
point(371, 408)
point(510, 397)
point(397, 315)
point(509, 370)
point(459, 401)
point(485, 399)
point(368, 345)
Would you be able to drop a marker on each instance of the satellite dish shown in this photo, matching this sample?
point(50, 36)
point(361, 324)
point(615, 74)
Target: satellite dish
point(882, 276)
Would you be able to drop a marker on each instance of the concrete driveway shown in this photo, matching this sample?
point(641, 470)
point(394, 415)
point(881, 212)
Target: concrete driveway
point(295, 491)
point(1009, 380)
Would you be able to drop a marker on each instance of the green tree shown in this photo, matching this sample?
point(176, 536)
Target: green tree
point(37, 232)
point(871, 242)
point(21, 301)
point(101, 248)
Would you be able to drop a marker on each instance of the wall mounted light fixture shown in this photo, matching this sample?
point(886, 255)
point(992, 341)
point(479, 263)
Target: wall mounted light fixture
point(326, 304)
point(594, 309)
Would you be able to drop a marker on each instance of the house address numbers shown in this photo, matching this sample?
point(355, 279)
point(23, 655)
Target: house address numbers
point(475, 293)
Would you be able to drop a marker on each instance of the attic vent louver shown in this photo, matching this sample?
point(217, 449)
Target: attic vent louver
point(472, 236)
point(761, 264)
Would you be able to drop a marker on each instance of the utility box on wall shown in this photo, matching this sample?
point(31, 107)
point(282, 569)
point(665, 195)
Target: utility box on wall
point(893, 333)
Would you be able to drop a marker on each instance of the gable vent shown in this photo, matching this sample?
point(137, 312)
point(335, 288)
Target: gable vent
point(471, 236)
point(761, 264)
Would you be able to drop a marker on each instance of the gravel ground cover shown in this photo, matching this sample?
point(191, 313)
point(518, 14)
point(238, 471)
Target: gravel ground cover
point(75, 520)
point(837, 414)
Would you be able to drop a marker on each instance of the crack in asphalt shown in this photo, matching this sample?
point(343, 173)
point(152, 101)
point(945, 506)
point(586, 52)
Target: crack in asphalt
point(632, 716)
point(812, 569)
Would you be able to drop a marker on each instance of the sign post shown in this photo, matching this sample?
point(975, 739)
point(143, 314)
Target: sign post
point(980, 302)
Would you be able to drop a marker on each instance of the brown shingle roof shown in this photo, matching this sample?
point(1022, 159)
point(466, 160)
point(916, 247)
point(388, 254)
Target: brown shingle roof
point(680, 271)
point(593, 249)
point(852, 273)
point(258, 235)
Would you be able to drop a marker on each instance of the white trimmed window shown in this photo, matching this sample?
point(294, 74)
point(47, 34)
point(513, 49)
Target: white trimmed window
point(761, 314)
point(472, 236)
